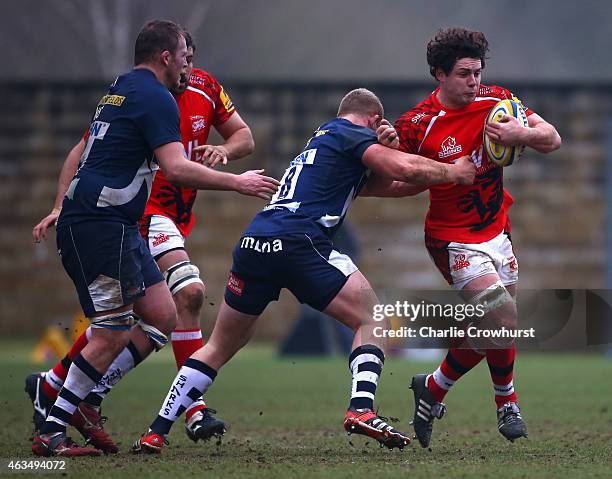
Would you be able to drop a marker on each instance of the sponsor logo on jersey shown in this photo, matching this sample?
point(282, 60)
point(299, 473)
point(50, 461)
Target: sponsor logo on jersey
point(114, 100)
point(198, 123)
point(460, 262)
point(227, 102)
point(449, 148)
point(249, 242)
point(235, 285)
point(416, 119)
point(159, 239)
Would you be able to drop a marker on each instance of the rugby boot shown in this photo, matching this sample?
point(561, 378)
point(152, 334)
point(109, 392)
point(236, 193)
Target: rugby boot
point(60, 445)
point(149, 443)
point(510, 422)
point(88, 421)
point(368, 423)
point(203, 425)
point(426, 409)
point(40, 401)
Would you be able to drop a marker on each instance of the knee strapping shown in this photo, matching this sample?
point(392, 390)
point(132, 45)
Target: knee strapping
point(120, 321)
point(180, 275)
point(492, 297)
point(157, 338)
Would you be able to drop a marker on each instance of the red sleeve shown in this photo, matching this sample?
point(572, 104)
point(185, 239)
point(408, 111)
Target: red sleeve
point(505, 94)
point(408, 133)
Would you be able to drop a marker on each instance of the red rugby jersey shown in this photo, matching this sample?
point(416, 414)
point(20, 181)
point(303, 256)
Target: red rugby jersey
point(459, 213)
point(202, 105)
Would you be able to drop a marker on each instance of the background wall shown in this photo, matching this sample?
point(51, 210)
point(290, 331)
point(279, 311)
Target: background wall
point(286, 66)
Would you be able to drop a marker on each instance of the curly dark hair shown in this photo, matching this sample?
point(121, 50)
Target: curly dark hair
point(452, 44)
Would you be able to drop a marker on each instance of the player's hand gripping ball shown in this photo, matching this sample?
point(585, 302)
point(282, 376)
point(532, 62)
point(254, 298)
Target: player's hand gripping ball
point(499, 154)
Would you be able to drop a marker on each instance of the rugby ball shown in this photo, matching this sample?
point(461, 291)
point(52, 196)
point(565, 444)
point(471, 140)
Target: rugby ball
point(502, 155)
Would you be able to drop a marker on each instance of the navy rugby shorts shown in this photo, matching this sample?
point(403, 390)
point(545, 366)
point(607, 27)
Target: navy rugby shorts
point(108, 263)
point(305, 264)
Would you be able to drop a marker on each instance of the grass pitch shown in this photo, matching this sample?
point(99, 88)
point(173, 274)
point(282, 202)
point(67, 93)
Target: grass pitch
point(285, 417)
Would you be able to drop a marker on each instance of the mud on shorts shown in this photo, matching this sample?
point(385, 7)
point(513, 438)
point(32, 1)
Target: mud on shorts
point(108, 263)
point(460, 263)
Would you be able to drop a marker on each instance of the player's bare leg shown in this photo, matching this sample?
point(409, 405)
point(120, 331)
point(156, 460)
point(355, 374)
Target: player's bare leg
point(232, 331)
point(354, 306)
point(189, 293)
point(500, 355)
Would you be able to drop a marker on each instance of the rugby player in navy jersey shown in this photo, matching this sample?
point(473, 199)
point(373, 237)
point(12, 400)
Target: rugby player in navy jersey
point(135, 128)
point(289, 245)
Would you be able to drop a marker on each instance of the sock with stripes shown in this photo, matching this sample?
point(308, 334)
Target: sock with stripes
point(501, 367)
point(127, 360)
point(365, 363)
point(54, 379)
point(185, 342)
point(191, 382)
point(81, 379)
point(456, 363)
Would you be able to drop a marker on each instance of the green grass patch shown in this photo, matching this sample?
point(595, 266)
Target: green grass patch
point(285, 420)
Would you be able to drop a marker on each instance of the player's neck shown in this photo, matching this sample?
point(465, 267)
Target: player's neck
point(447, 101)
point(355, 119)
point(152, 68)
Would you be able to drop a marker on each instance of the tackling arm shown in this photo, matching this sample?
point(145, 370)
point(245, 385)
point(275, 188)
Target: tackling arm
point(417, 169)
point(188, 173)
point(382, 187)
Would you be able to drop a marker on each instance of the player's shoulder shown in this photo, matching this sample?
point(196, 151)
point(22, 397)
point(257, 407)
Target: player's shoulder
point(493, 92)
point(203, 80)
point(419, 114)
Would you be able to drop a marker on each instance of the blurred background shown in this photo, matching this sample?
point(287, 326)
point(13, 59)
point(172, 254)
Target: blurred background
point(286, 65)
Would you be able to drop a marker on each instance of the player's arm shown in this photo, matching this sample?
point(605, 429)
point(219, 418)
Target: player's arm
point(417, 169)
point(383, 187)
point(177, 169)
point(71, 163)
point(238, 143)
point(539, 135)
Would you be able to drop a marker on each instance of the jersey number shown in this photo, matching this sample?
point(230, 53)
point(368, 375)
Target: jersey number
point(292, 174)
point(97, 130)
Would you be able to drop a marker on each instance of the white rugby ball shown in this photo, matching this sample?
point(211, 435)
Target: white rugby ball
point(499, 154)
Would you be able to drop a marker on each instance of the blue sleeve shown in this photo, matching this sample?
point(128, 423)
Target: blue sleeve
point(357, 140)
point(160, 122)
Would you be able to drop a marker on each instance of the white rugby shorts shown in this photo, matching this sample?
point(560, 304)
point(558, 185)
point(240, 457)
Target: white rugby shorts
point(163, 235)
point(461, 263)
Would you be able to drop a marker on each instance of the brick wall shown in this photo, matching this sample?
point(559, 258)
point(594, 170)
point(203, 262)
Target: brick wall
point(558, 217)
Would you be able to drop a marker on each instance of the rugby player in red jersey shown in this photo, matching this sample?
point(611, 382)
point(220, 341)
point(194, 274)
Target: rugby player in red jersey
point(167, 221)
point(467, 229)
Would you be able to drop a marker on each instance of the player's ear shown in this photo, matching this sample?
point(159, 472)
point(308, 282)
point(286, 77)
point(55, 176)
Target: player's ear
point(440, 74)
point(165, 57)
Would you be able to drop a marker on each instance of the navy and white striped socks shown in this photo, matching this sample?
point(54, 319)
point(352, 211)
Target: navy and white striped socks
point(191, 382)
point(365, 363)
point(81, 379)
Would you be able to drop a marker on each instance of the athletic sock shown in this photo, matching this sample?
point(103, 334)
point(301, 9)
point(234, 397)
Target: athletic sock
point(191, 382)
point(127, 360)
point(185, 342)
point(501, 367)
point(81, 379)
point(456, 363)
point(365, 363)
point(55, 377)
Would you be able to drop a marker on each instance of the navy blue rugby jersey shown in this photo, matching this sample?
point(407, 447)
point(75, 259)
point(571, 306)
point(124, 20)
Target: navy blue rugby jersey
point(113, 181)
point(320, 183)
